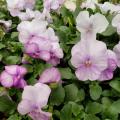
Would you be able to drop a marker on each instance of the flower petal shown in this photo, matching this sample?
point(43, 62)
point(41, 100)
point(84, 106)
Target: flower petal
point(6, 79)
point(48, 77)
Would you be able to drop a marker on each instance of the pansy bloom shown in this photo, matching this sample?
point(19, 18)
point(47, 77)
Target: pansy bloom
point(34, 98)
point(89, 59)
point(40, 42)
point(13, 76)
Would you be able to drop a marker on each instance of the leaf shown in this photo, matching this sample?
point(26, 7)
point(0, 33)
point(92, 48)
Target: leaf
point(6, 105)
point(57, 96)
point(115, 107)
point(71, 92)
point(12, 60)
point(115, 84)
point(93, 108)
point(66, 112)
point(14, 117)
point(95, 91)
point(2, 46)
point(76, 108)
point(109, 31)
point(80, 95)
point(66, 73)
point(91, 117)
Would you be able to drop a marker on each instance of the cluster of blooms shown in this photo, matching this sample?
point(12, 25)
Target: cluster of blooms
point(90, 57)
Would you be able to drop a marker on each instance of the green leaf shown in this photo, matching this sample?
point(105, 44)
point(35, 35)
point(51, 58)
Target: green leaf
point(66, 73)
point(12, 60)
point(93, 108)
point(80, 95)
point(76, 108)
point(57, 96)
point(6, 105)
point(66, 112)
point(14, 117)
point(2, 46)
point(109, 31)
point(115, 84)
point(91, 117)
point(95, 91)
point(115, 107)
point(71, 92)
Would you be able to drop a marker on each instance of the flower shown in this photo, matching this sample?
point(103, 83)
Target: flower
point(12, 76)
point(50, 75)
point(29, 4)
point(107, 74)
point(30, 14)
point(16, 6)
point(90, 25)
point(6, 24)
point(34, 98)
point(109, 7)
point(70, 4)
point(116, 49)
point(116, 22)
point(31, 30)
point(90, 59)
point(52, 4)
point(40, 42)
point(89, 4)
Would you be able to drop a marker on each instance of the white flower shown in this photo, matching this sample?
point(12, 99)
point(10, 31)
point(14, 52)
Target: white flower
point(89, 4)
point(70, 4)
point(109, 7)
point(116, 22)
point(30, 14)
point(16, 6)
point(90, 25)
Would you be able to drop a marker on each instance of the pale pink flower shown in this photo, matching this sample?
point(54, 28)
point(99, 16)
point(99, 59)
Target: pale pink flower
point(39, 41)
point(90, 59)
point(116, 49)
point(116, 22)
point(16, 6)
point(13, 76)
point(50, 75)
point(89, 4)
point(34, 98)
point(52, 4)
point(30, 14)
point(107, 74)
point(89, 26)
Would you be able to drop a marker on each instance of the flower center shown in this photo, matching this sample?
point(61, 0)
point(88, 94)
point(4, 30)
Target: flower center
point(88, 63)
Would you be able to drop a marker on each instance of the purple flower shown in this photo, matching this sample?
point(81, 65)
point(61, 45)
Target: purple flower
point(90, 59)
point(40, 42)
point(50, 75)
point(107, 74)
point(34, 98)
point(12, 76)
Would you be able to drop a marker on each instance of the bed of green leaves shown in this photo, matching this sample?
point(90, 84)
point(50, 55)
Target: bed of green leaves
point(73, 100)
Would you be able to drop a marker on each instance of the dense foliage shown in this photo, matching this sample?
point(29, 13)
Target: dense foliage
point(73, 99)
